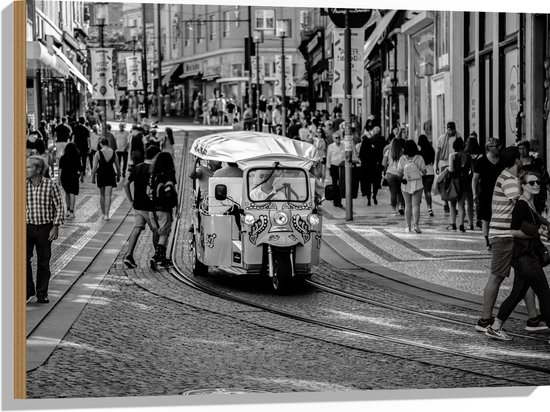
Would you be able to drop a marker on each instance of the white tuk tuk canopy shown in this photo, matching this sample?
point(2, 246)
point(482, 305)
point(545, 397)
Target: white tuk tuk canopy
point(248, 149)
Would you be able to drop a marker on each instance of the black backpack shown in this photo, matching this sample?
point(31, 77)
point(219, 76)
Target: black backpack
point(163, 192)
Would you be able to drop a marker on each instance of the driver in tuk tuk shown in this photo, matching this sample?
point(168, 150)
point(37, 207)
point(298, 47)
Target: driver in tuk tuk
point(265, 190)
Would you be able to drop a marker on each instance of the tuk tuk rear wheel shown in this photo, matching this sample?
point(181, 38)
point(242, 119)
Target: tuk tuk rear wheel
point(199, 268)
point(282, 272)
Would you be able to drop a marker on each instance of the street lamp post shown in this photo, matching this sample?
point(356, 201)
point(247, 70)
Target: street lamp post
point(282, 32)
point(258, 38)
point(101, 17)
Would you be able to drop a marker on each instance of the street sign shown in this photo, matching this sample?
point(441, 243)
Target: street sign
point(289, 80)
point(356, 62)
point(357, 17)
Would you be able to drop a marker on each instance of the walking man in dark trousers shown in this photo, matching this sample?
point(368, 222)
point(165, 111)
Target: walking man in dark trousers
point(141, 203)
point(44, 214)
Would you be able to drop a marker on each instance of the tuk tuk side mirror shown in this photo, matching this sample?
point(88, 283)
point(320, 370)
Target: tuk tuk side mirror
point(220, 193)
point(330, 192)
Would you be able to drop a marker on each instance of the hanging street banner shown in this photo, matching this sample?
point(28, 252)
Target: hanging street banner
point(121, 74)
point(102, 74)
point(133, 67)
point(289, 77)
point(262, 70)
point(356, 59)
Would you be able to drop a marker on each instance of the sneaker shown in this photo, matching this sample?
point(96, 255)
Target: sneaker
point(497, 334)
point(375, 201)
point(166, 263)
point(417, 229)
point(153, 264)
point(430, 213)
point(130, 262)
point(462, 229)
point(483, 324)
point(401, 212)
point(451, 227)
point(536, 325)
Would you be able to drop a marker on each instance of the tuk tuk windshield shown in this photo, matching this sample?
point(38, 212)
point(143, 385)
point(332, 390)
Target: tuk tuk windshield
point(277, 185)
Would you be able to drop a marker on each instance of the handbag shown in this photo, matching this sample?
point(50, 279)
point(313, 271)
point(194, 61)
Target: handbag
point(541, 250)
point(448, 186)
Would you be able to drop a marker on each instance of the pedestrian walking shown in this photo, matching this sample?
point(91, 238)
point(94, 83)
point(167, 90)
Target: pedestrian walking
point(392, 155)
point(460, 167)
point(162, 186)
point(428, 154)
point(206, 112)
point(168, 144)
point(369, 177)
point(122, 137)
point(410, 170)
point(63, 133)
point(444, 149)
point(486, 171)
point(248, 117)
point(473, 149)
point(82, 141)
point(269, 118)
point(230, 110)
point(142, 204)
point(532, 163)
point(105, 162)
point(112, 141)
point(40, 150)
point(70, 170)
point(335, 159)
point(95, 137)
point(526, 230)
point(137, 146)
point(44, 214)
point(506, 193)
point(220, 105)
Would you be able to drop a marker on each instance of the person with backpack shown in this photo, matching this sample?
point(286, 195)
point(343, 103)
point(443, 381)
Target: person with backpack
point(410, 169)
point(164, 196)
point(460, 167)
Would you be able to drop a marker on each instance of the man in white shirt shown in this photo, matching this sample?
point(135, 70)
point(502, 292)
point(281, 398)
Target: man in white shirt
point(444, 149)
point(335, 158)
point(122, 138)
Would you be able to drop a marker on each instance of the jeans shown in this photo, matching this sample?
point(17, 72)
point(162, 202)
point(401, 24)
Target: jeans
point(396, 196)
point(123, 161)
point(527, 273)
point(37, 236)
point(335, 176)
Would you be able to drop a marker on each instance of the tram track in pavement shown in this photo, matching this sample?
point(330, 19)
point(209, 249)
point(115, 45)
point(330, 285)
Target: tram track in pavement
point(428, 351)
point(179, 273)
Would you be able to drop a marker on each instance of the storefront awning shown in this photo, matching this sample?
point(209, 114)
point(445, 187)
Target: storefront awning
point(74, 70)
point(377, 33)
point(174, 72)
point(38, 57)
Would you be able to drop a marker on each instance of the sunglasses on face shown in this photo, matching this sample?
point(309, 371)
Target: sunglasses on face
point(533, 182)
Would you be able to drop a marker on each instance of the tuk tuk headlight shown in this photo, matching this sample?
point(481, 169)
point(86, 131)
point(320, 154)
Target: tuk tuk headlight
point(280, 218)
point(249, 219)
point(313, 219)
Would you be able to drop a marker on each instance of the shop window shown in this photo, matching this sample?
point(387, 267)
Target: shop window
point(423, 67)
point(486, 25)
point(469, 33)
point(442, 35)
point(236, 70)
point(509, 24)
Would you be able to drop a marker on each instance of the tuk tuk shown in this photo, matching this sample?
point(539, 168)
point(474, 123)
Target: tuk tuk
point(266, 222)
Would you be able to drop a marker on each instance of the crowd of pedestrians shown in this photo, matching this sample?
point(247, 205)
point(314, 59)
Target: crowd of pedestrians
point(59, 157)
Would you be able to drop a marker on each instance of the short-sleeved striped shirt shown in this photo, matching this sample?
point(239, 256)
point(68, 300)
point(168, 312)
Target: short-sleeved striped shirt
point(506, 192)
point(44, 203)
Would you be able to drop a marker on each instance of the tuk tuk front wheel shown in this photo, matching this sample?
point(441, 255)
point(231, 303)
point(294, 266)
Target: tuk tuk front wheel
point(282, 271)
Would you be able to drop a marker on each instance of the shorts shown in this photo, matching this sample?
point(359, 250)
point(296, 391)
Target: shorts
point(163, 221)
point(501, 256)
point(142, 217)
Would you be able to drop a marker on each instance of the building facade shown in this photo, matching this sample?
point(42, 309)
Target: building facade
point(57, 59)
